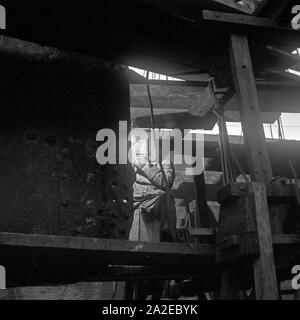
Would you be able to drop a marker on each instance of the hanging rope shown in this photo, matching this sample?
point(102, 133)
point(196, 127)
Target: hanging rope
point(150, 101)
point(166, 217)
point(224, 145)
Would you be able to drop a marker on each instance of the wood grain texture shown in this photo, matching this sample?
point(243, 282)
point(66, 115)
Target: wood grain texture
point(244, 82)
point(259, 164)
point(264, 267)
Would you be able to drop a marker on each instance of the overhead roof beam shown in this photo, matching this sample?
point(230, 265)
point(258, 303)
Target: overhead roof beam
point(242, 19)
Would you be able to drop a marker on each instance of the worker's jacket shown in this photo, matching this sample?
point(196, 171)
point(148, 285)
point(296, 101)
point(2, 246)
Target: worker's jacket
point(151, 188)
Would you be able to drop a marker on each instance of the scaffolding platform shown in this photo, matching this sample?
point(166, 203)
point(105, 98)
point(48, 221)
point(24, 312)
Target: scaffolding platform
point(54, 260)
point(40, 259)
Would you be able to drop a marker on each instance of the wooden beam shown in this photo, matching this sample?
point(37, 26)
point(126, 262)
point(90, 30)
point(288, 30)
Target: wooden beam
point(169, 83)
point(242, 71)
point(259, 163)
point(220, 69)
point(208, 100)
point(273, 96)
point(264, 267)
point(103, 245)
point(284, 99)
point(235, 240)
point(283, 192)
point(286, 239)
point(59, 259)
point(241, 19)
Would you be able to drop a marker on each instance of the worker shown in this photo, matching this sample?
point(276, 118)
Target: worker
point(154, 211)
point(154, 206)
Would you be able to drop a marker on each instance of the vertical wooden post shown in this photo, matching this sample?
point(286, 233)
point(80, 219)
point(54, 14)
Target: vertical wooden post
point(264, 267)
point(244, 82)
point(259, 163)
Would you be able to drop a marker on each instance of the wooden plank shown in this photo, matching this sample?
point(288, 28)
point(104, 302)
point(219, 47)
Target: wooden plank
point(165, 97)
point(281, 191)
point(242, 70)
point(236, 240)
point(245, 20)
point(264, 267)
point(241, 246)
point(277, 191)
point(285, 239)
point(282, 97)
point(59, 260)
point(102, 245)
point(208, 100)
point(170, 83)
point(274, 98)
point(77, 291)
point(259, 163)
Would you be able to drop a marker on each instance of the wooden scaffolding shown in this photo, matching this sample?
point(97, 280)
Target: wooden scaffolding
point(243, 251)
